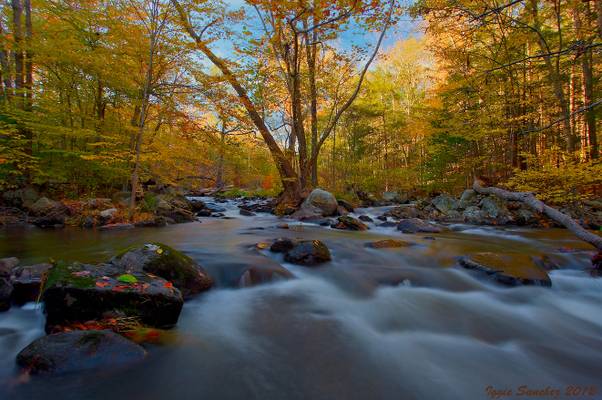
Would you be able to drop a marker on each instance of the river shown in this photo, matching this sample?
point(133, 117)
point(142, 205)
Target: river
point(372, 324)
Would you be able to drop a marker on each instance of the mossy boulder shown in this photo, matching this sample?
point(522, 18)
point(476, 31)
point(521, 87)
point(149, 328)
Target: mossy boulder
point(76, 351)
point(167, 263)
point(80, 292)
point(509, 269)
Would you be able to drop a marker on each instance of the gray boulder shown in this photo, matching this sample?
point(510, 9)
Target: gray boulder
point(108, 213)
point(24, 197)
point(416, 225)
point(322, 200)
point(44, 206)
point(472, 214)
point(445, 203)
point(493, 207)
point(468, 198)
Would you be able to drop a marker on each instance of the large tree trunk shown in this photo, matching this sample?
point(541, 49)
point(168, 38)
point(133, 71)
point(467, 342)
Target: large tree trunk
point(18, 51)
point(555, 78)
point(219, 176)
point(311, 50)
point(28, 57)
point(541, 207)
point(6, 70)
point(290, 181)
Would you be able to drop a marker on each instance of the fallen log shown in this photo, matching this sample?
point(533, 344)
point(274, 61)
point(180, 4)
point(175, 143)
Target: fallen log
point(539, 206)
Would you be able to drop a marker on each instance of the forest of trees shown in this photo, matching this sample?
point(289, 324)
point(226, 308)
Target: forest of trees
point(99, 96)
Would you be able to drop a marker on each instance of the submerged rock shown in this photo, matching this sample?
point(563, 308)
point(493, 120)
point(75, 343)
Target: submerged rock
point(116, 227)
point(415, 225)
point(349, 223)
point(256, 275)
point(389, 243)
point(167, 263)
point(246, 213)
point(76, 351)
point(79, 292)
point(509, 269)
point(365, 218)
point(308, 253)
point(204, 213)
point(153, 222)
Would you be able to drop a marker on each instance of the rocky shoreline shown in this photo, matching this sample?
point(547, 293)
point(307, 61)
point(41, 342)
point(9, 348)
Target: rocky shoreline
point(171, 206)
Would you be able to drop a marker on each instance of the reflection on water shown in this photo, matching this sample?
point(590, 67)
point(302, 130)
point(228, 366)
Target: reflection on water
point(373, 324)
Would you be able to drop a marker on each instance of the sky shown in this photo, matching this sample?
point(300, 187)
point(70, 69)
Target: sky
point(406, 27)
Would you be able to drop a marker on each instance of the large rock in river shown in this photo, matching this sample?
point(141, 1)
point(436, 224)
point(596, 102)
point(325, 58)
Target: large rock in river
point(76, 351)
point(349, 223)
point(323, 200)
point(509, 269)
point(169, 264)
point(79, 292)
point(308, 252)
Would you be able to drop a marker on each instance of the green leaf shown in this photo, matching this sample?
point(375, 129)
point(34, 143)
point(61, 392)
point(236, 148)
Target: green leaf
point(127, 278)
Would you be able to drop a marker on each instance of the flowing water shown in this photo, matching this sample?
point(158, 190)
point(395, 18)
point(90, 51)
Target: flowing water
point(372, 324)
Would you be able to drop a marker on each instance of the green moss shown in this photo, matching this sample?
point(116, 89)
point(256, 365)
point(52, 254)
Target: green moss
point(123, 252)
point(62, 273)
point(171, 264)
